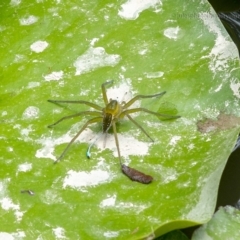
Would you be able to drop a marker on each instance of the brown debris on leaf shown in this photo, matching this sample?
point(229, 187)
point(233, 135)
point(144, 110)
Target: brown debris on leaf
point(30, 192)
point(135, 175)
point(223, 122)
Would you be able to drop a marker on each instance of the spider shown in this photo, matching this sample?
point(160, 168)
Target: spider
point(109, 115)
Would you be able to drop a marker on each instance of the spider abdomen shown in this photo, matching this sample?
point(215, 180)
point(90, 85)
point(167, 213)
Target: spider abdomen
point(107, 122)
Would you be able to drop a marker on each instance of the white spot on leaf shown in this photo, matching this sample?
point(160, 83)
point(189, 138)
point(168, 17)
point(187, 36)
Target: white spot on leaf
point(4, 113)
point(31, 113)
point(154, 74)
point(172, 32)
point(111, 234)
point(59, 233)
point(25, 167)
point(7, 204)
point(19, 58)
point(33, 84)
point(95, 58)
point(39, 46)
point(174, 140)
point(81, 180)
point(28, 20)
point(108, 202)
point(12, 236)
point(223, 49)
point(132, 8)
point(54, 76)
point(235, 86)
point(15, 2)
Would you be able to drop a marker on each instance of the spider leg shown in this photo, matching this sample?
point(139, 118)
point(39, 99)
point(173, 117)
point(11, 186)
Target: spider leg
point(130, 102)
point(93, 120)
point(88, 153)
point(133, 110)
point(104, 93)
point(116, 141)
point(105, 140)
point(93, 105)
point(75, 115)
point(139, 126)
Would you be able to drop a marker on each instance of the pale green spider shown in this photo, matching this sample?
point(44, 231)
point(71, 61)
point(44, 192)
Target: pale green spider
point(109, 115)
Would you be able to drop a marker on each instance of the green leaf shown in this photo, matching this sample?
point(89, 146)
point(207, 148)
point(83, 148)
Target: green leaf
point(65, 50)
point(223, 225)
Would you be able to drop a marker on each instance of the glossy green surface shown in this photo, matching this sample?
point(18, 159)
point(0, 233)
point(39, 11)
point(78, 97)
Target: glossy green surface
point(87, 43)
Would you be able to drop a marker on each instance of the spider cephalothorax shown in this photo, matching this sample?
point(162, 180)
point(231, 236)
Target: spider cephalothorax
point(109, 115)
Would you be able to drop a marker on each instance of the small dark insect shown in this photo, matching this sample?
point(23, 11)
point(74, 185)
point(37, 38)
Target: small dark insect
point(30, 192)
point(135, 175)
point(109, 115)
